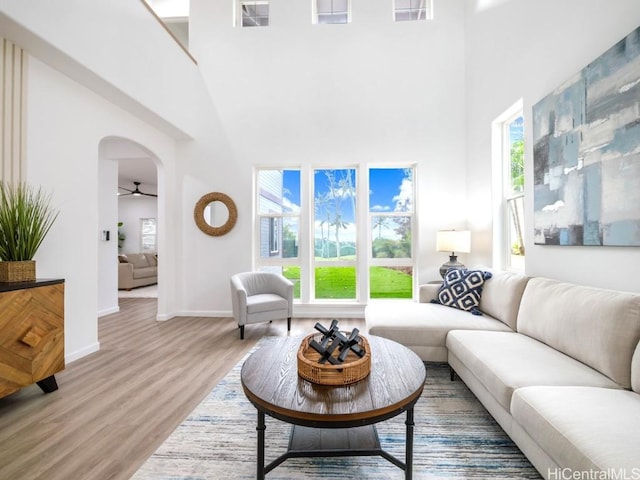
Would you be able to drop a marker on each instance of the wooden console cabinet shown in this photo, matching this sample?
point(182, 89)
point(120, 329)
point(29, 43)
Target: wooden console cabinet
point(31, 334)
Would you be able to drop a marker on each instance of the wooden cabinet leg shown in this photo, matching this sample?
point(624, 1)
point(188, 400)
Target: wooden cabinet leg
point(48, 384)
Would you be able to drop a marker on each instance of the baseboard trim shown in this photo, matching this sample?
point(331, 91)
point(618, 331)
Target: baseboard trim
point(83, 352)
point(108, 311)
point(205, 313)
point(163, 317)
point(300, 311)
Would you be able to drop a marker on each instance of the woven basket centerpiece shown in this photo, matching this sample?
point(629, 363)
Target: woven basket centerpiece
point(333, 357)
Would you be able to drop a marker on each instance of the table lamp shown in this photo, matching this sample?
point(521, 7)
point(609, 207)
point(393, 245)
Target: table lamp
point(453, 241)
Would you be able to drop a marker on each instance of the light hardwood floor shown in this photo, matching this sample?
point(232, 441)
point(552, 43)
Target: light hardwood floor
point(116, 406)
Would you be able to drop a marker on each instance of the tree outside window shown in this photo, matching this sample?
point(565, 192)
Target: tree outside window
point(515, 192)
point(335, 234)
point(391, 208)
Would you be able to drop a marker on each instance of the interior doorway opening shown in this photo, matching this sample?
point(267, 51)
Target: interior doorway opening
point(131, 209)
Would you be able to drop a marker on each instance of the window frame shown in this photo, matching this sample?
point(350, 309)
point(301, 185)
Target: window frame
point(238, 17)
point(426, 6)
point(501, 166)
point(274, 261)
point(152, 222)
point(314, 262)
point(315, 14)
point(305, 259)
point(397, 262)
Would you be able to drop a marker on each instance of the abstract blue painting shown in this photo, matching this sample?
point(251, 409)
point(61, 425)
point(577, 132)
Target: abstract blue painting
point(587, 154)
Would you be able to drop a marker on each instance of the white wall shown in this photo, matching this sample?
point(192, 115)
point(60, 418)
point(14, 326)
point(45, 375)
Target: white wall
point(66, 123)
point(300, 94)
point(292, 94)
point(90, 84)
point(118, 49)
point(107, 276)
point(525, 49)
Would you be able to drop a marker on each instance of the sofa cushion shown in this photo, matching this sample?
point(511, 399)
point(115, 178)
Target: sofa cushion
point(598, 327)
point(122, 258)
point(266, 302)
point(462, 289)
point(139, 260)
point(422, 327)
point(145, 272)
point(502, 294)
point(583, 428)
point(505, 361)
point(152, 259)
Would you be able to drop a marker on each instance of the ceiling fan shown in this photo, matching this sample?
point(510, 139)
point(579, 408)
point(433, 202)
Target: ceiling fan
point(136, 191)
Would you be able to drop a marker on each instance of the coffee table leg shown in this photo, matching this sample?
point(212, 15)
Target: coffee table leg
point(408, 473)
point(260, 462)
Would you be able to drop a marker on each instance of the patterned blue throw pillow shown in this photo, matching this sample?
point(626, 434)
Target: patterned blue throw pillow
point(462, 289)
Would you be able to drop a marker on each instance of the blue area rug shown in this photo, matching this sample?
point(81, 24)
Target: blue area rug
point(454, 438)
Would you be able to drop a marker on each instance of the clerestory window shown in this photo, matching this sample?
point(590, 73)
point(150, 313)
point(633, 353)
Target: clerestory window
point(252, 13)
point(408, 10)
point(331, 11)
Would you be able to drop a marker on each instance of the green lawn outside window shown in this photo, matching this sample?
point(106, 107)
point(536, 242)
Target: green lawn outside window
point(340, 282)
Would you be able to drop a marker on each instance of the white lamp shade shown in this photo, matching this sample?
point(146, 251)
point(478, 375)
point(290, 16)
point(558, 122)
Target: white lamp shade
point(453, 241)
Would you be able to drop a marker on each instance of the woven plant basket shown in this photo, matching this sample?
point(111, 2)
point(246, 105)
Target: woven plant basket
point(353, 369)
point(22, 271)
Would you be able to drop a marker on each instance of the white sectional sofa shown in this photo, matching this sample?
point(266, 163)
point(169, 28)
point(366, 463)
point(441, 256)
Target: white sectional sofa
point(556, 364)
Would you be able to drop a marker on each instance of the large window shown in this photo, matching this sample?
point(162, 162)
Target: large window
point(514, 194)
point(509, 229)
point(335, 233)
point(344, 234)
point(278, 208)
point(391, 219)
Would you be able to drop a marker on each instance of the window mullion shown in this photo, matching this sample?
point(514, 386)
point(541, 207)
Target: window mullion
point(364, 233)
point(307, 280)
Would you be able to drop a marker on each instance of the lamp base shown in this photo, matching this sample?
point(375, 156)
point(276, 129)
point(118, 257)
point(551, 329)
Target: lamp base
point(452, 263)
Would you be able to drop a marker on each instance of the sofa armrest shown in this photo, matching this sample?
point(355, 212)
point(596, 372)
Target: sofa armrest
point(428, 292)
point(238, 300)
point(125, 276)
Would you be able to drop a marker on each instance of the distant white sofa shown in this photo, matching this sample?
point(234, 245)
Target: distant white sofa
point(137, 270)
point(556, 364)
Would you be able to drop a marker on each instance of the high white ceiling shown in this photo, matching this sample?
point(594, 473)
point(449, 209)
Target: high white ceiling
point(170, 8)
point(137, 170)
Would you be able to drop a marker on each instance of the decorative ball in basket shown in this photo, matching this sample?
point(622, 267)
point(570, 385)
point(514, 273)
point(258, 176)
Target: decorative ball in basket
point(333, 357)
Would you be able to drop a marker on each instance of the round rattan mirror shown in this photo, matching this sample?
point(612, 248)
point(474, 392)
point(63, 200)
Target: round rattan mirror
point(210, 210)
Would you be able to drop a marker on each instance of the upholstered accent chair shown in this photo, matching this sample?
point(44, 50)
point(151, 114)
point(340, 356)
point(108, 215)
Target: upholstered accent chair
point(260, 297)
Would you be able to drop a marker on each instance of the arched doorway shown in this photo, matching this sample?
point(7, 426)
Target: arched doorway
point(128, 179)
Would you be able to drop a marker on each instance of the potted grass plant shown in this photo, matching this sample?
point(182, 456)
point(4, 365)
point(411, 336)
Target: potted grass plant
point(25, 219)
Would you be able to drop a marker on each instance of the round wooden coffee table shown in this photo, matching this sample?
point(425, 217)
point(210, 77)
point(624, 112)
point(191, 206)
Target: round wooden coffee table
point(270, 381)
